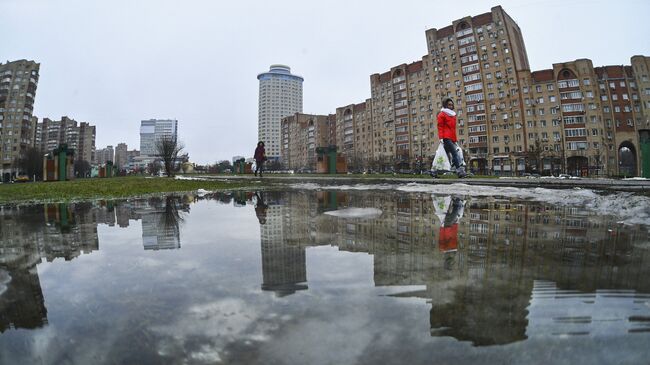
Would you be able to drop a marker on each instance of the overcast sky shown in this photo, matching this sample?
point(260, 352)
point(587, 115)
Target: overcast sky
point(115, 63)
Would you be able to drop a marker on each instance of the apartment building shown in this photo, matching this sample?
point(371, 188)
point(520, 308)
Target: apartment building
point(18, 83)
point(104, 155)
point(571, 118)
point(301, 135)
point(354, 134)
point(475, 62)
point(280, 95)
point(403, 115)
point(79, 136)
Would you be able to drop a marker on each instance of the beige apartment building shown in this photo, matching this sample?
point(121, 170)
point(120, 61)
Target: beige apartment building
point(571, 118)
point(354, 134)
point(18, 83)
point(79, 136)
point(301, 135)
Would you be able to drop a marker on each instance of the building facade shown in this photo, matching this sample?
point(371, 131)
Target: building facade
point(18, 83)
point(302, 134)
point(572, 118)
point(154, 129)
point(104, 155)
point(121, 155)
point(280, 95)
point(79, 136)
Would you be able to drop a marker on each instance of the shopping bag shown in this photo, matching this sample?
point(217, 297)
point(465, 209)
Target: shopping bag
point(441, 206)
point(460, 155)
point(440, 160)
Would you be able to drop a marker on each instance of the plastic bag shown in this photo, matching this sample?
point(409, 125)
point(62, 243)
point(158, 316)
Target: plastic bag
point(440, 160)
point(441, 206)
point(460, 155)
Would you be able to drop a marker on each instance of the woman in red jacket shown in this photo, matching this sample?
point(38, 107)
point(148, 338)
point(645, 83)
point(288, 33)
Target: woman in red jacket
point(447, 133)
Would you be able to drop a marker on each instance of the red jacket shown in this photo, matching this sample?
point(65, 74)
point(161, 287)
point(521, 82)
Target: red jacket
point(447, 126)
point(448, 238)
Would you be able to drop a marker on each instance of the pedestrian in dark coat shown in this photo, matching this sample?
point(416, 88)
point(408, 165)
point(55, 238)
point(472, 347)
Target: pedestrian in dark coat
point(260, 157)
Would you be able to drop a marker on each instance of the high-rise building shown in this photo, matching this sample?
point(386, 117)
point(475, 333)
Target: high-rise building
point(154, 129)
point(52, 133)
point(572, 118)
point(280, 95)
point(121, 153)
point(18, 82)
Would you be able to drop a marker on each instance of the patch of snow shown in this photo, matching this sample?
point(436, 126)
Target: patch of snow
point(628, 207)
point(370, 213)
point(636, 178)
point(202, 192)
point(178, 177)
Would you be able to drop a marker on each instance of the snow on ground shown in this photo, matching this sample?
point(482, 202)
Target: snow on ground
point(356, 213)
point(628, 207)
point(637, 178)
point(179, 177)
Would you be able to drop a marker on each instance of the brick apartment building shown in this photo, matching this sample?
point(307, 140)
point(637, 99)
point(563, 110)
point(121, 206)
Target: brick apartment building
point(18, 83)
point(572, 117)
point(301, 135)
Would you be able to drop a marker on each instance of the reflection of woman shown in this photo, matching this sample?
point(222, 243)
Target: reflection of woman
point(260, 208)
point(449, 229)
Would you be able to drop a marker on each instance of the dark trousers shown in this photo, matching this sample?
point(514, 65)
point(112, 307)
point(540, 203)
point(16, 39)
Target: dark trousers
point(258, 166)
point(450, 148)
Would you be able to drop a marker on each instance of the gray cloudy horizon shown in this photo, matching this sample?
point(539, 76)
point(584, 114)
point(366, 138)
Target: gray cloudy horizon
point(115, 63)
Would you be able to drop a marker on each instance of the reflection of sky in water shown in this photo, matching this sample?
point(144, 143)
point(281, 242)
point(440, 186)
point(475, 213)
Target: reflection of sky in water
point(313, 288)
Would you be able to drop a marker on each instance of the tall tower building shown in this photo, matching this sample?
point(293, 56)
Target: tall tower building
point(154, 129)
point(280, 96)
point(18, 82)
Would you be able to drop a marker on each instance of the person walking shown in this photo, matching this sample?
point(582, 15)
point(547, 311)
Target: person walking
point(447, 133)
point(260, 157)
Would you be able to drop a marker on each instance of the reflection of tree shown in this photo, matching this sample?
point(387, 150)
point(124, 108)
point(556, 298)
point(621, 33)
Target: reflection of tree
point(161, 222)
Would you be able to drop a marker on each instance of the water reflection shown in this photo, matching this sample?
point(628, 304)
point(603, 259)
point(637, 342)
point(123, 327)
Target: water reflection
point(478, 260)
point(492, 271)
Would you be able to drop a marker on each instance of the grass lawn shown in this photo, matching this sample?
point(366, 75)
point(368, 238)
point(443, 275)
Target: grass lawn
point(118, 187)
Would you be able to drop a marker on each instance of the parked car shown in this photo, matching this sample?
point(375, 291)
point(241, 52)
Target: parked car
point(21, 179)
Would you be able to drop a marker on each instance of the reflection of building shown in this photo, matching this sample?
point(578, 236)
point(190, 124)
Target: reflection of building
point(160, 223)
point(32, 234)
point(28, 236)
point(556, 312)
point(482, 292)
point(158, 236)
point(283, 263)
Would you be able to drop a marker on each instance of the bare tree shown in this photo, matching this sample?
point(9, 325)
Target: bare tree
point(154, 167)
point(82, 168)
point(167, 149)
point(30, 163)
